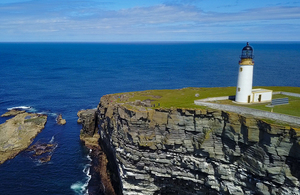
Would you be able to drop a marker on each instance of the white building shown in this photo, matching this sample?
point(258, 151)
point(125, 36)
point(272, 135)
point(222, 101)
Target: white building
point(261, 95)
point(244, 92)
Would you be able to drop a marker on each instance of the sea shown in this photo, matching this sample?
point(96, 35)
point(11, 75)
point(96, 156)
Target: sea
point(63, 78)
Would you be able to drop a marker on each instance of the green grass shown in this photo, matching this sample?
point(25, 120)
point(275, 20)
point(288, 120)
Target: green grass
point(292, 108)
point(180, 98)
point(184, 98)
point(37, 120)
point(285, 89)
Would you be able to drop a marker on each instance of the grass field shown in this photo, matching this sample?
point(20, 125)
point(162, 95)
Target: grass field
point(184, 98)
point(292, 108)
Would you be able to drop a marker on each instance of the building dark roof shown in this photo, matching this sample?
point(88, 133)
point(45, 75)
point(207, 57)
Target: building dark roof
point(248, 47)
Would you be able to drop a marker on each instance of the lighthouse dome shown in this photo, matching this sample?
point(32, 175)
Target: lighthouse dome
point(247, 52)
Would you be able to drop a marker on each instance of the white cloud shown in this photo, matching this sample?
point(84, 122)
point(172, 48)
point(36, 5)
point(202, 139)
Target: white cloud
point(85, 19)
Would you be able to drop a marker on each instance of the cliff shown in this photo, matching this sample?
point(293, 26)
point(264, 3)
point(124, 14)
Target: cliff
point(192, 151)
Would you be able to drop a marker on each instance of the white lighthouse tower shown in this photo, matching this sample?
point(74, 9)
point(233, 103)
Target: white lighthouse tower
point(245, 77)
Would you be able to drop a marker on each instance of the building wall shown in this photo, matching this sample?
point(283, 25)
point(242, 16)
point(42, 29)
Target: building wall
point(244, 84)
point(265, 96)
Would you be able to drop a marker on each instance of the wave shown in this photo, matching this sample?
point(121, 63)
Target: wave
point(79, 187)
point(52, 140)
point(20, 108)
point(33, 110)
point(26, 108)
point(49, 113)
point(88, 156)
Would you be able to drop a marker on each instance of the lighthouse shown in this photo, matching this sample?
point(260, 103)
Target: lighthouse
point(245, 76)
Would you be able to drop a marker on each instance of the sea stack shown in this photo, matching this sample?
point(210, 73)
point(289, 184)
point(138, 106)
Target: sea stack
point(60, 120)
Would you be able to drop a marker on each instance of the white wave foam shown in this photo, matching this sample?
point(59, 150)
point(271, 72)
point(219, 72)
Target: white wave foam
point(48, 113)
point(88, 157)
point(52, 140)
point(27, 108)
point(31, 109)
point(79, 187)
point(86, 170)
point(20, 107)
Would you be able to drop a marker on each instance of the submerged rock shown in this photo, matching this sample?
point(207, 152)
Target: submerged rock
point(45, 159)
point(18, 133)
point(42, 151)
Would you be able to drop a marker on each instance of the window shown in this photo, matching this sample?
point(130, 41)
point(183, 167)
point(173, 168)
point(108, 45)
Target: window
point(239, 89)
point(241, 69)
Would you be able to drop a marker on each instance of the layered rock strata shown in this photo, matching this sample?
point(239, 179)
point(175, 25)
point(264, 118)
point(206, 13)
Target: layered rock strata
point(194, 151)
point(18, 133)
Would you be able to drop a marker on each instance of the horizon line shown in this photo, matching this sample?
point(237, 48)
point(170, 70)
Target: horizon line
point(151, 42)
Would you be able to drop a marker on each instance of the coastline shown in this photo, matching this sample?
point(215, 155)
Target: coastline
point(100, 182)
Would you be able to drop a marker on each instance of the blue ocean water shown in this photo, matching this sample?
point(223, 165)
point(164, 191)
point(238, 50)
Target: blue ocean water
point(62, 78)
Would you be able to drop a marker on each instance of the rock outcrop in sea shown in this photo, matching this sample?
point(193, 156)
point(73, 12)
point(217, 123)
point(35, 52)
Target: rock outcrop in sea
point(192, 151)
point(42, 151)
point(60, 120)
point(18, 132)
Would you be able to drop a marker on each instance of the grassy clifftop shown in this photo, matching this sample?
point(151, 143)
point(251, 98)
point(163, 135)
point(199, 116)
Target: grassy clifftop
point(184, 98)
point(168, 98)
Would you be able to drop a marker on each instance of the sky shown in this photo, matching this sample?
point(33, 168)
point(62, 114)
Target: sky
point(149, 20)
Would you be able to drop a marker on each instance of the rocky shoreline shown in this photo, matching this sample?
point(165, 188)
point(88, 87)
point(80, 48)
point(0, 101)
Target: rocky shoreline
point(193, 151)
point(17, 133)
point(100, 182)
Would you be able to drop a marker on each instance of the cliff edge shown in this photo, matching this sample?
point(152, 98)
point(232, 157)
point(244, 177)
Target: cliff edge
point(193, 151)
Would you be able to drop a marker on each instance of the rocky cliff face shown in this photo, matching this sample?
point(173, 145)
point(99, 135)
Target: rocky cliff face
point(195, 151)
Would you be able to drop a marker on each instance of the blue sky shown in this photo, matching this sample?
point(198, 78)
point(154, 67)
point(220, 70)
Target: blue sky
point(149, 20)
